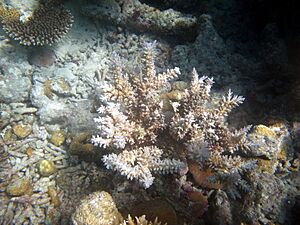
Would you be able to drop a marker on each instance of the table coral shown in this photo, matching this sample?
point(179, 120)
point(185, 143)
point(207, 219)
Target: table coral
point(48, 23)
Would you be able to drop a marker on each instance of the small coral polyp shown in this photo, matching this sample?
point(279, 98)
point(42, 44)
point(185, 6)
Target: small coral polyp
point(134, 125)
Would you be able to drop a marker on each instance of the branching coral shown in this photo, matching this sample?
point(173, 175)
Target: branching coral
point(199, 121)
point(131, 119)
point(141, 131)
point(140, 221)
point(48, 23)
point(139, 163)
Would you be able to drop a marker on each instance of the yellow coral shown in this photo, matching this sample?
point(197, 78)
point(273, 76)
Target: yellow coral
point(264, 130)
point(8, 15)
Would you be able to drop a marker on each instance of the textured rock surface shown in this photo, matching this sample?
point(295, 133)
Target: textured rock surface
point(41, 57)
point(211, 55)
point(272, 200)
point(14, 88)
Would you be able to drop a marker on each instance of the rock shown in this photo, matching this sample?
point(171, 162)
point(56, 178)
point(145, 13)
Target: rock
point(42, 57)
point(272, 143)
point(65, 73)
point(97, 208)
point(19, 187)
point(62, 88)
point(46, 168)
point(81, 118)
point(14, 88)
point(263, 142)
point(270, 201)
point(210, 55)
point(273, 47)
point(64, 82)
point(54, 112)
point(220, 209)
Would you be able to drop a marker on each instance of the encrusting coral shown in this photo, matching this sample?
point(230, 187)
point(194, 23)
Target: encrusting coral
point(135, 124)
point(49, 22)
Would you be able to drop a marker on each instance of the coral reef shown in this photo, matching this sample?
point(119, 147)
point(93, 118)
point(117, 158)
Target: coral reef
point(134, 123)
point(62, 97)
point(48, 23)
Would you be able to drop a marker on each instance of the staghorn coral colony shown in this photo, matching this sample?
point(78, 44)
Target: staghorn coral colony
point(46, 25)
point(152, 128)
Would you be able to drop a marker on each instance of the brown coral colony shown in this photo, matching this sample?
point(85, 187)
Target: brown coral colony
point(48, 23)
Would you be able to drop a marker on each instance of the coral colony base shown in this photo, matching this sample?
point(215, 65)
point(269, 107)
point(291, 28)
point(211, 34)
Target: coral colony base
point(152, 124)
